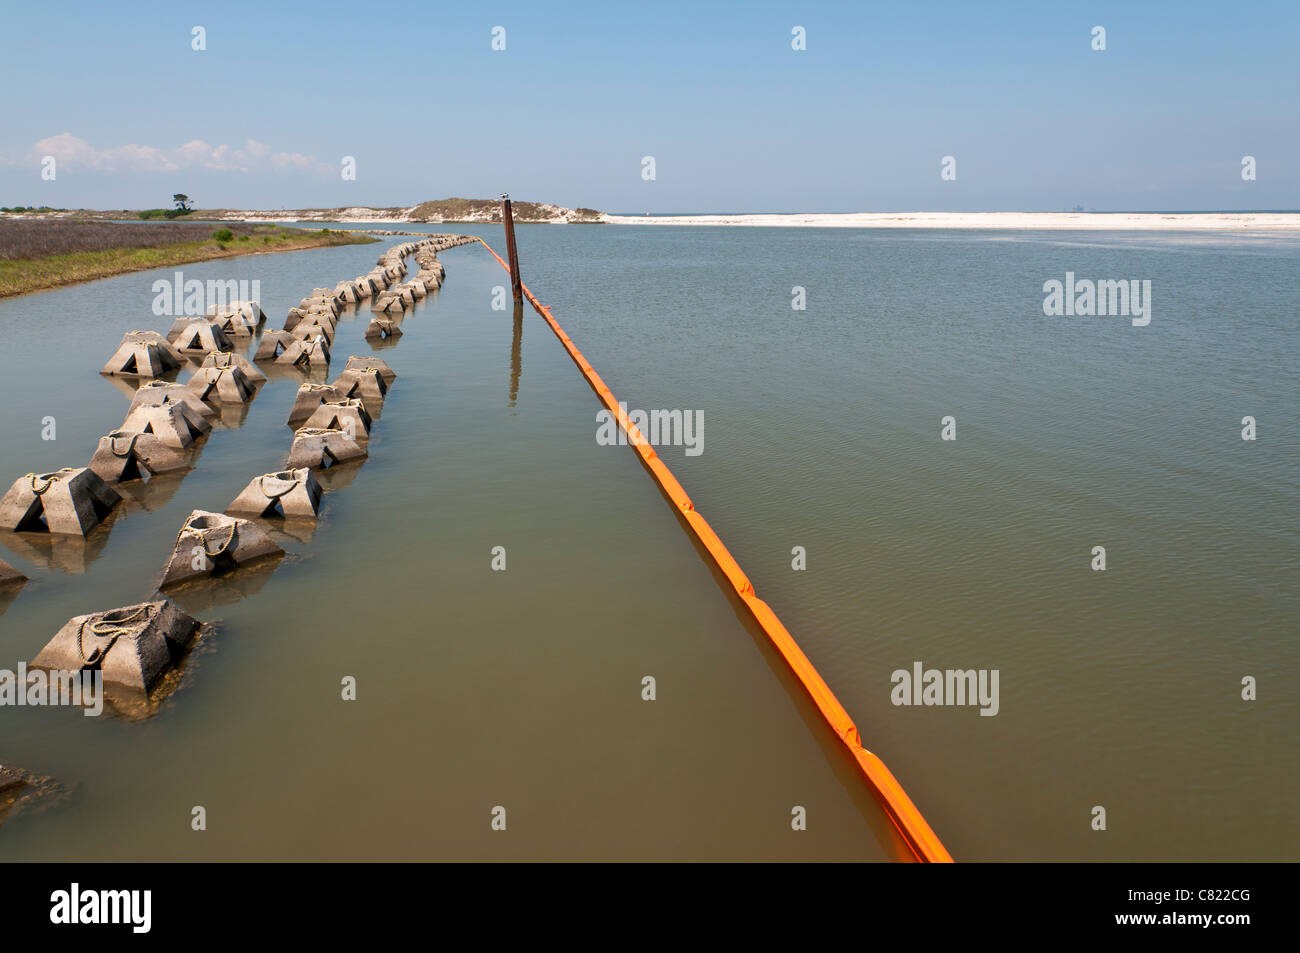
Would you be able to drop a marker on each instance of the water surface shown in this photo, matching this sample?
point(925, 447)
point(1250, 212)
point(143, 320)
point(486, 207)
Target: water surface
point(1118, 688)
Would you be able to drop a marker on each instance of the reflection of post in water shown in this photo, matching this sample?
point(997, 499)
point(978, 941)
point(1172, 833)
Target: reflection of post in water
point(516, 353)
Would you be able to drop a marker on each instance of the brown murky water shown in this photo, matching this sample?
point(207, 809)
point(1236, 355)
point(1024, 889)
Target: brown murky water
point(522, 688)
point(476, 688)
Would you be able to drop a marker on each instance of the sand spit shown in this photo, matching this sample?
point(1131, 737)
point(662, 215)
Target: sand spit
point(1111, 221)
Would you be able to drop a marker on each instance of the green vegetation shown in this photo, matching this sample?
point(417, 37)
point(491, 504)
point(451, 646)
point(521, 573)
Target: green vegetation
point(36, 255)
point(489, 210)
point(168, 213)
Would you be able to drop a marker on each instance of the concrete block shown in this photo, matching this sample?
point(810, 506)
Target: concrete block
point(366, 385)
point(69, 502)
point(235, 325)
point(272, 345)
point(383, 327)
point(371, 364)
point(250, 311)
point(292, 494)
point(311, 328)
point(166, 392)
point(133, 646)
point(246, 367)
point(306, 354)
point(348, 415)
point(347, 291)
point(329, 294)
point(211, 544)
point(308, 310)
point(128, 455)
point(143, 354)
point(320, 448)
point(392, 302)
point(221, 385)
point(179, 325)
point(174, 424)
point(202, 337)
point(310, 396)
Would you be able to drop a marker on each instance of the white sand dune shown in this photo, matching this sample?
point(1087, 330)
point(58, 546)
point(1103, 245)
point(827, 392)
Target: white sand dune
point(1152, 221)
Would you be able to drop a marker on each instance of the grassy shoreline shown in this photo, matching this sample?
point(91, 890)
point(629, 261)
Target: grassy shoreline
point(20, 276)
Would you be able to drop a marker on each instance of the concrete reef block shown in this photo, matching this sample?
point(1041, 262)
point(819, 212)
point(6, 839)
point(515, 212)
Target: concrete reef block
point(321, 316)
point(202, 337)
point(174, 424)
point(246, 367)
point(272, 345)
point(143, 354)
point(235, 325)
point(307, 309)
point(348, 415)
point(392, 301)
point(68, 502)
point(155, 393)
point(365, 385)
point(346, 291)
point(371, 364)
point(180, 324)
point(132, 646)
point(365, 287)
point(330, 294)
point(383, 327)
point(222, 385)
point(210, 544)
point(319, 448)
point(310, 396)
point(128, 455)
point(9, 576)
point(312, 328)
point(292, 494)
point(250, 311)
point(305, 354)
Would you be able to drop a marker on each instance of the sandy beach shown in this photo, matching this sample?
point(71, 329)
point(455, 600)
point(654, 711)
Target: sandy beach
point(1146, 221)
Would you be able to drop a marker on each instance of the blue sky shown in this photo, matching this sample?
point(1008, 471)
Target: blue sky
point(735, 119)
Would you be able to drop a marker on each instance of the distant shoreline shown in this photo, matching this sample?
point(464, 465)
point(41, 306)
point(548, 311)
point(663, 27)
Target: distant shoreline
point(370, 218)
point(1107, 221)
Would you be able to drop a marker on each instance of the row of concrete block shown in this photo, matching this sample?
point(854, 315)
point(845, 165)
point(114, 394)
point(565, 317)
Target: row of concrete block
point(134, 646)
point(163, 427)
point(147, 355)
point(160, 434)
point(332, 421)
point(395, 301)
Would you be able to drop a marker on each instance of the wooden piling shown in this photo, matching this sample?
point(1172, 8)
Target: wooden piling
point(516, 285)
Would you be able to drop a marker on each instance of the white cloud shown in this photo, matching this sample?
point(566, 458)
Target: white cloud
point(74, 153)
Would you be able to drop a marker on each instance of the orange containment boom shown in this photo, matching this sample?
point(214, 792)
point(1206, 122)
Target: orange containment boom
point(916, 833)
